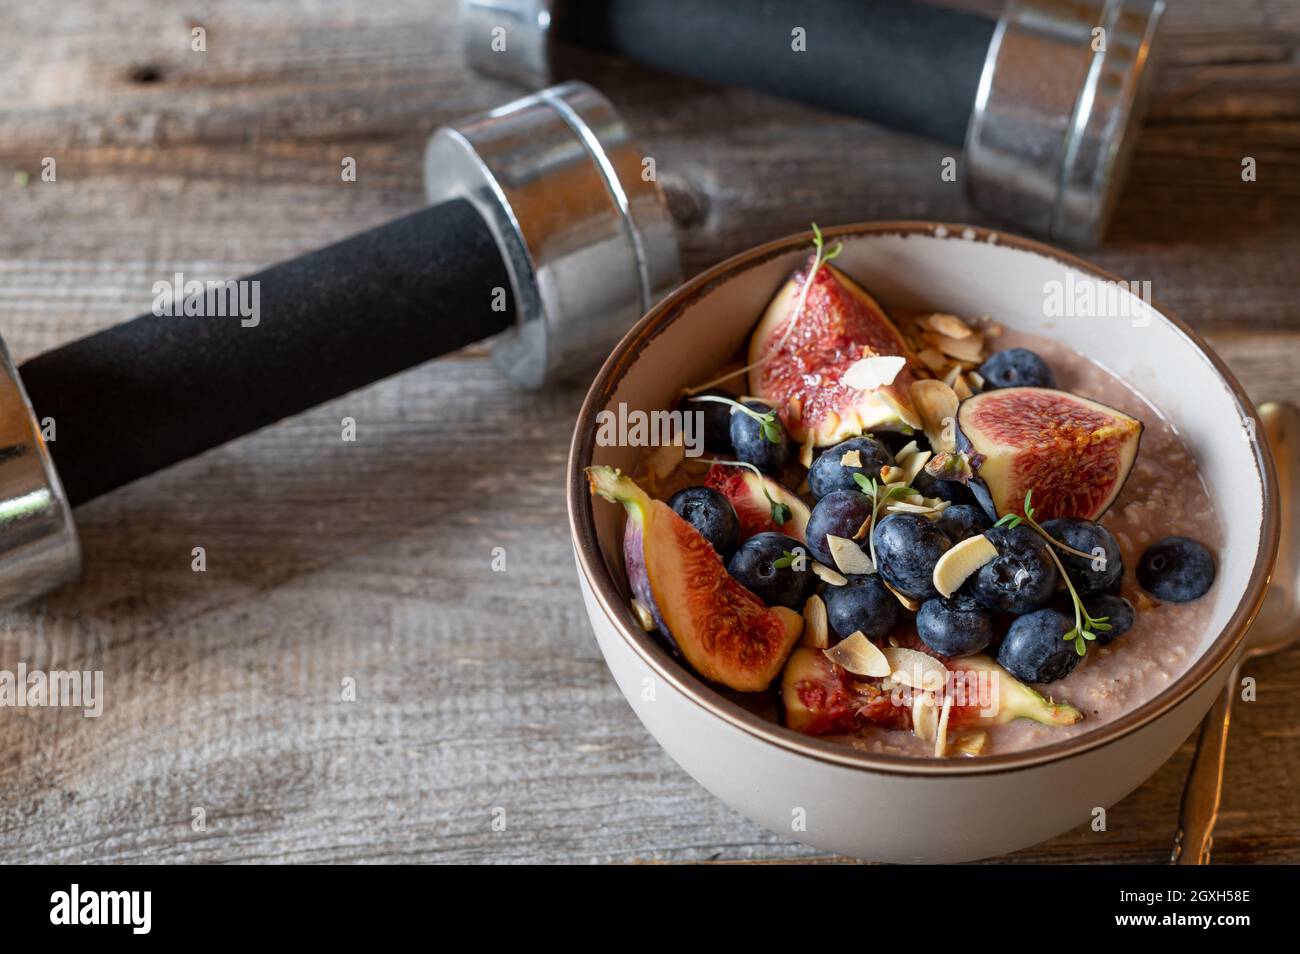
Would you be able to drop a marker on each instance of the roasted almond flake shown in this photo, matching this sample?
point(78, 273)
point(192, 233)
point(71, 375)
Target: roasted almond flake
point(960, 561)
point(827, 575)
point(907, 601)
point(816, 628)
point(860, 656)
point(848, 556)
point(937, 405)
point(905, 453)
point(961, 388)
point(932, 359)
point(966, 349)
point(874, 371)
point(851, 458)
point(941, 731)
point(976, 379)
point(949, 325)
point(891, 474)
point(919, 670)
point(969, 742)
point(913, 464)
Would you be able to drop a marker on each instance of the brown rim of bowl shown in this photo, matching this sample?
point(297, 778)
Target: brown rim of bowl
point(612, 602)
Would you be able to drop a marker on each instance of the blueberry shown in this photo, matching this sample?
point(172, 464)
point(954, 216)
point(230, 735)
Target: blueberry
point(908, 546)
point(1119, 612)
point(1035, 650)
point(749, 437)
point(827, 474)
point(1095, 575)
point(839, 514)
point(953, 491)
point(716, 418)
point(1016, 368)
point(1022, 577)
point(710, 513)
point(775, 568)
point(863, 604)
point(957, 626)
point(1177, 569)
point(961, 521)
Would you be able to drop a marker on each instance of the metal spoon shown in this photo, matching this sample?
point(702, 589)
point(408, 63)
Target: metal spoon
point(1275, 629)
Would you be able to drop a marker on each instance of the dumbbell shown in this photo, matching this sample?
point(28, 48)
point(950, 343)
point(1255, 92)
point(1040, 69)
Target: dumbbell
point(541, 233)
point(1046, 99)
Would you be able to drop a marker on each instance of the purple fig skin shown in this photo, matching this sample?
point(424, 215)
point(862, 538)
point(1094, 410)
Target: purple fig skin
point(634, 560)
point(977, 486)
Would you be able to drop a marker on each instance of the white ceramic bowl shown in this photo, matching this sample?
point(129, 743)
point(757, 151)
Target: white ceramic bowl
point(887, 807)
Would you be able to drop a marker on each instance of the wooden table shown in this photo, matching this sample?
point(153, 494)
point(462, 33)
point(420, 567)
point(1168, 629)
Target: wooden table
point(371, 561)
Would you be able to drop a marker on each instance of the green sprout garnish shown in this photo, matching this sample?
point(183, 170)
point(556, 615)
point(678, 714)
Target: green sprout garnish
point(786, 559)
point(1086, 627)
point(871, 488)
point(768, 423)
point(780, 512)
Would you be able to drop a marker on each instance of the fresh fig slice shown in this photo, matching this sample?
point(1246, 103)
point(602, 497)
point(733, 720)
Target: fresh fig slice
point(820, 698)
point(800, 368)
point(752, 495)
point(1072, 452)
point(1012, 699)
point(722, 629)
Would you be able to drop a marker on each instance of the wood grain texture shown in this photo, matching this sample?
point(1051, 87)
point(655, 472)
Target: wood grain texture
point(372, 560)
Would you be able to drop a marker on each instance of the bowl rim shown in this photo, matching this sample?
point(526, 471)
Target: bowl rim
point(601, 581)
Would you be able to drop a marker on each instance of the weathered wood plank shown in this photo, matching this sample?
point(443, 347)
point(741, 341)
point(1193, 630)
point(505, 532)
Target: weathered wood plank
point(371, 561)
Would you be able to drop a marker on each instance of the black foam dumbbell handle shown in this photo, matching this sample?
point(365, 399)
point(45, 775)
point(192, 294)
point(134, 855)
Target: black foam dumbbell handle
point(146, 394)
point(906, 65)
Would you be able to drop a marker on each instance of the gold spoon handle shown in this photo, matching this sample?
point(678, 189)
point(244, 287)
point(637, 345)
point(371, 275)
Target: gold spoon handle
point(1204, 787)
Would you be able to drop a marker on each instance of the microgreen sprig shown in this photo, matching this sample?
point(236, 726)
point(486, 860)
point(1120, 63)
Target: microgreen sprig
point(786, 559)
point(820, 257)
point(1086, 627)
point(767, 422)
point(780, 511)
point(872, 488)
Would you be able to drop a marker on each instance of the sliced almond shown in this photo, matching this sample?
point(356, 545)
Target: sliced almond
point(969, 742)
point(933, 359)
point(967, 349)
point(862, 531)
point(961, 561)
point(912, 466)
point(950, 377)
point(903, 506)
point(851, 459)
point(645, 619)
point(905, 453)
point(907, 601)
point(961, 388)
point(941, 731)
point(909, 667)
point(816, 628)
point(991, 329)
point(976, 380)
point(848, 556)
point(875, 371)
point(827, 575)
point(949, 325)
point(925, 717)
point(891, 474)
point(860, 656)
point(937, 405)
